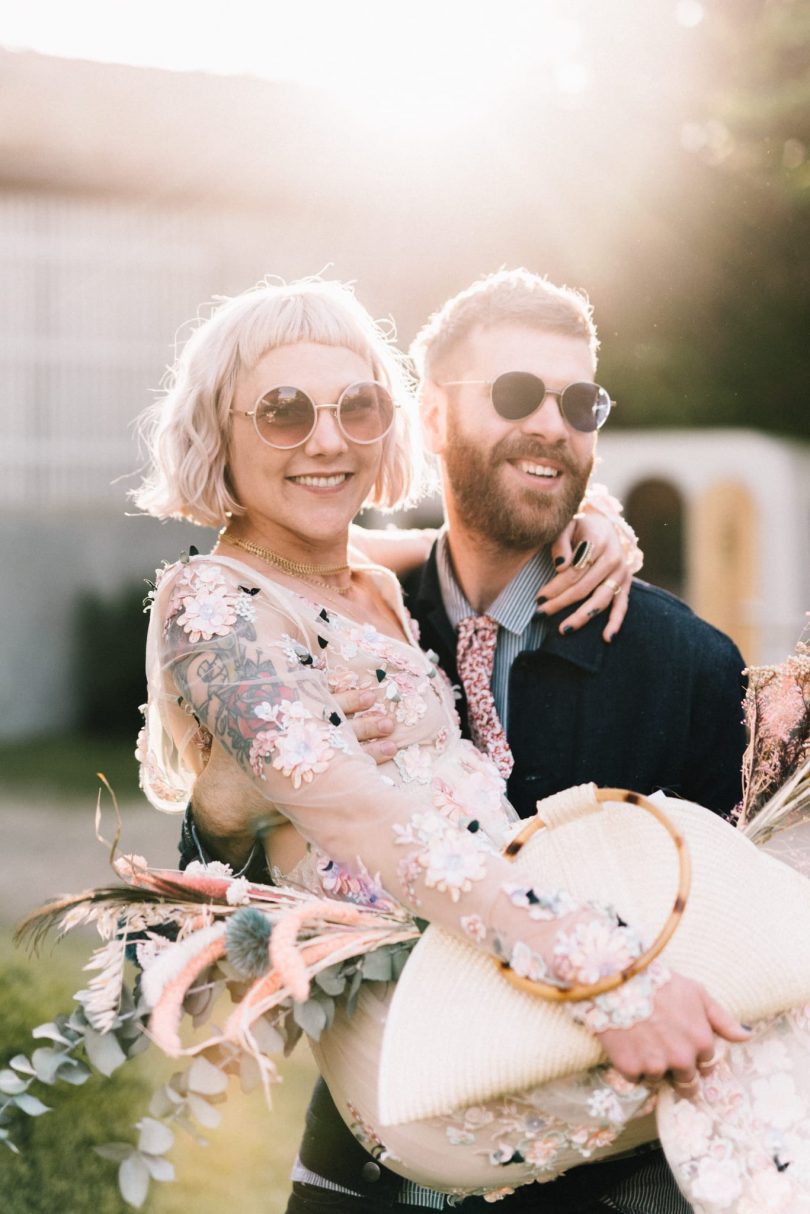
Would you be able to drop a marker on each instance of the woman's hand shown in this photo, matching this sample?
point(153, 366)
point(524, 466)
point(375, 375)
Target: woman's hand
point(592, 564)
point(678, 1040)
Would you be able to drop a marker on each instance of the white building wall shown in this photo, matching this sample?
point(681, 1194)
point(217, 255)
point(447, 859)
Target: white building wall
point(776, 474)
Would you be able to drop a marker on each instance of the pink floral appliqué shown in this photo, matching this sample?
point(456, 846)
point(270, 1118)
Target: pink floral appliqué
point(298, 744)
point(208, 611)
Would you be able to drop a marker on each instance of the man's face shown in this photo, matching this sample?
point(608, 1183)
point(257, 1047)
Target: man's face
point(517, 483)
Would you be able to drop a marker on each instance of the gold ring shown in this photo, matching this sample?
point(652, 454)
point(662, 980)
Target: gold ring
point(708, 1064)
point(615, 588)
point(583, 557)
point(689, 1087)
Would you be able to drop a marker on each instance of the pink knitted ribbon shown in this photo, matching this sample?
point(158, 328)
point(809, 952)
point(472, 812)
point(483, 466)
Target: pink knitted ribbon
point(475, 656)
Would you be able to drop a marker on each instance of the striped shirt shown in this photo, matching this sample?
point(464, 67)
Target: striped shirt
point(515, 610)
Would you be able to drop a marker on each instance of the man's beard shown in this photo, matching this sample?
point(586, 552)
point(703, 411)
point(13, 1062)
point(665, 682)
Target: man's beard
point(518, 518)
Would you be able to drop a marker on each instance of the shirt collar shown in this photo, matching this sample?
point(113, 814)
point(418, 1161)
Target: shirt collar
point(516, 605)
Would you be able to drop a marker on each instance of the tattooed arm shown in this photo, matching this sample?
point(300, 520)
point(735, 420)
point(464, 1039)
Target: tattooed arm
point(252, 667)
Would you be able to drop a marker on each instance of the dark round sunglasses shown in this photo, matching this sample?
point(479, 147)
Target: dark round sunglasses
point(286, 417)
point(516, 395)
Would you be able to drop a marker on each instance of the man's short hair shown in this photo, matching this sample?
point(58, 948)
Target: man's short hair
point(508, 297)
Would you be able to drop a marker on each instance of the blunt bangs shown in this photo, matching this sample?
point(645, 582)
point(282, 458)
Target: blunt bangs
point(186, 431)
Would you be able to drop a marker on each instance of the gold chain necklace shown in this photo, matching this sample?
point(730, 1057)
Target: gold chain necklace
point(294, 568)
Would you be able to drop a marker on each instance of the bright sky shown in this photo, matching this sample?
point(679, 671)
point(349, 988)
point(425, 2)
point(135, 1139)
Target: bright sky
point(313, 41)
point(345, 42)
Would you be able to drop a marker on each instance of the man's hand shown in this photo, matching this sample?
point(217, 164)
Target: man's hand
point(598, 574)
point(371, 728)
point(678, 1040)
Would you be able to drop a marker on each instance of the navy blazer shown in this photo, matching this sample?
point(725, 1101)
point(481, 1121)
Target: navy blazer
point(659, 707)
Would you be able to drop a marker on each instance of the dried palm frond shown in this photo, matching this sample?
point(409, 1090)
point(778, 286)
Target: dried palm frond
point(72, 910)
point(158, 887)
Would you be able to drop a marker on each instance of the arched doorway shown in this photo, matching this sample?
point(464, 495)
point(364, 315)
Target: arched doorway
point(724, 563)
point(654, 509)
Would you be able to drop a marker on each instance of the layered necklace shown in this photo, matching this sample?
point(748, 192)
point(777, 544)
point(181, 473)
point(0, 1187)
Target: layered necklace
point(314, 574)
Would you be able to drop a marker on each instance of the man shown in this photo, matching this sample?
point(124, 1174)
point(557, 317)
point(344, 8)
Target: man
point(659, 707)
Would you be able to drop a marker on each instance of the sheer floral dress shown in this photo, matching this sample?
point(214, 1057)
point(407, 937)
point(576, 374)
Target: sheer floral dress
point(235, 657)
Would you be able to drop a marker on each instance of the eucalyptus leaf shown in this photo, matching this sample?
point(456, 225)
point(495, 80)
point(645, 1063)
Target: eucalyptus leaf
point(159, 1168)
point(22, 1064)
point(4, 1138)
point(138, 1045)
point(77, 1021)
point(205, 1078)
point(399, 959)
point(178, 1080)
point(115, 1151)
point(52, 1031)
point(72, 1071)
point(103, 1051)
point(311, 1017)
point(31, 1105)
point(268, 1038)
point(249, 1074)
point(331, 980)
point(47, 1062)
point(185, 1123)
point(11, 1084)
point(292, 1035)
point(197, 1001)
point(155, 1138)
point(377, 966)
point(202, 1111)
point(133, 1180)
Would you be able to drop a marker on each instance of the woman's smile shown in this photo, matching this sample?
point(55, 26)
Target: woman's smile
point(301, 500)
point(322, 481)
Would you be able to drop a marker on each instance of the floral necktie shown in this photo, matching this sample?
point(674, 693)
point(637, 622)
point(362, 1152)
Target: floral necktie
point(475, 656)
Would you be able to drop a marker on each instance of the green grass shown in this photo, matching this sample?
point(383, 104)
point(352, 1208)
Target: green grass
point(57, 1169)
point(65, 767)
point(246, 1163)
point(248, 1159)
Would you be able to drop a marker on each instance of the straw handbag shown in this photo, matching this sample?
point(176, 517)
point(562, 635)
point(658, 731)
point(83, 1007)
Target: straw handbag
point(719, 910)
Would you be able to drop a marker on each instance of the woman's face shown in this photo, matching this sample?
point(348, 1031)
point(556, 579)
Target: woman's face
point(309, 493)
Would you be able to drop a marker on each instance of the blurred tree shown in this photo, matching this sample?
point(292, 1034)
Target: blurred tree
point(109, 645)
point(719, 334)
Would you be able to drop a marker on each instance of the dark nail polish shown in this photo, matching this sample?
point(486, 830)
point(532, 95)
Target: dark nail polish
point(566, 629)
point(541, 598)
point(559, 560)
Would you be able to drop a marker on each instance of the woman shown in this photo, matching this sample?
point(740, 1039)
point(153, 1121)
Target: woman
point(248, 649)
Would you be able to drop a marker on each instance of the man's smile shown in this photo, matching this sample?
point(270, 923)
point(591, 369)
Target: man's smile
point(538, 470)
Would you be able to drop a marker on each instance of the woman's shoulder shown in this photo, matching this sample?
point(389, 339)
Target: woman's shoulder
point(216, 574)
point(210, 595)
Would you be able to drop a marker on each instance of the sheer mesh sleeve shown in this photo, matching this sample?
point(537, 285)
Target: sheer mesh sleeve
point(255, 666)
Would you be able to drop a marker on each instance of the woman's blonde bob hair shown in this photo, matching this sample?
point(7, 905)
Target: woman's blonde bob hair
point(186, 431)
